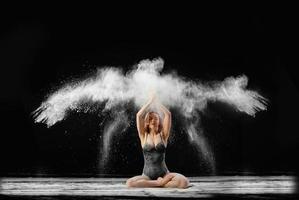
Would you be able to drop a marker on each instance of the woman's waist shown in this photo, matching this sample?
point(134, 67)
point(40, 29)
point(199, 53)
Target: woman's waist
point(155, 169)
point(154, 160)
point(156, 164)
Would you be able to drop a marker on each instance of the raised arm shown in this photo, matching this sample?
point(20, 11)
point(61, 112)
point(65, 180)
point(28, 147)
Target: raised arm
point(140, 119)
point(166, 122)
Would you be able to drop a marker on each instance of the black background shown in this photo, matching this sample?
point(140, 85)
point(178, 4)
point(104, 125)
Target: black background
point(40, 53)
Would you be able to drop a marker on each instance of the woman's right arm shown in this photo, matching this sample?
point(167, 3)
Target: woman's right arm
point(140, 119)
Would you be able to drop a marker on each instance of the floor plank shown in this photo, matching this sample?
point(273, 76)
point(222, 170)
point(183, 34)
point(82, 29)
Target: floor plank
point(201, 187)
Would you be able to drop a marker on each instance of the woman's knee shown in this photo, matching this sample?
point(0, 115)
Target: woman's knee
point(130, 182)
point(183, 182)
point(180, 180)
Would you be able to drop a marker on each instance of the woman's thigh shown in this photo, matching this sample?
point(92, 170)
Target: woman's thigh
point(139, 177)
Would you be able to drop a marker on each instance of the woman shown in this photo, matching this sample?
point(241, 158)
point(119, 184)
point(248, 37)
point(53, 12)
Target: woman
point(153, 133)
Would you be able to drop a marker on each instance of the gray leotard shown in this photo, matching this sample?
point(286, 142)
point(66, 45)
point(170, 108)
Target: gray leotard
point(154, 160)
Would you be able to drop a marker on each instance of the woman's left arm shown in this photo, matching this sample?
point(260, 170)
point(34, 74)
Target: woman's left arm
point(166, 122)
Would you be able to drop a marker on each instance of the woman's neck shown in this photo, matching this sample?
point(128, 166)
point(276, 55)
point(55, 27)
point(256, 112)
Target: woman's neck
point(153, 132)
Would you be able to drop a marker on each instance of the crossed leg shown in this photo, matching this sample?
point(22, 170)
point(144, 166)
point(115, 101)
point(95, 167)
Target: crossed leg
point(170, 180)
point(143, 181)
point(175, 180)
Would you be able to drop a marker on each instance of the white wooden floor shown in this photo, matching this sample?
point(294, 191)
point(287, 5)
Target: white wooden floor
point(201, 187)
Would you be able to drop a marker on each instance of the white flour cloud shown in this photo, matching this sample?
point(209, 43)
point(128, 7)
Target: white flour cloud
point(114, 87)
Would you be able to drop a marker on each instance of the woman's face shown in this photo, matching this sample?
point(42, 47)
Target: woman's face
point(154, 121)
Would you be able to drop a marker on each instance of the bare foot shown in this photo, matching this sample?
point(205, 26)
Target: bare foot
point(160, 181)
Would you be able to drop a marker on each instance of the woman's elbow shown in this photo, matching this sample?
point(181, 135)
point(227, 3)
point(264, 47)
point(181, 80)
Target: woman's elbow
point(138, 115)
